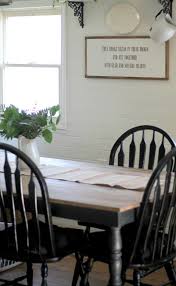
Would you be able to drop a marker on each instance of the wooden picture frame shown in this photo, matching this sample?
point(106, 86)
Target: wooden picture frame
point(129, 57)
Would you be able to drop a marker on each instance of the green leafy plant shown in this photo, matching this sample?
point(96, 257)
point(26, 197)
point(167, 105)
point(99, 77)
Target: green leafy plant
point(41, 123)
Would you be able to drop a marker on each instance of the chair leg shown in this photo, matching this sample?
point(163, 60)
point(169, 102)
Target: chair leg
point(136, 278)
point(79, 269)
point(44, 274)
point(87, 269)
point(171, 272)
point(123, 277)
point(29, 274)
point(76, 274)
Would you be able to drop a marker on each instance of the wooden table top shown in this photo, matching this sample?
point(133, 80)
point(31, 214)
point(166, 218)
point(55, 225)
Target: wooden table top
point(92, 196)
point(103, 205)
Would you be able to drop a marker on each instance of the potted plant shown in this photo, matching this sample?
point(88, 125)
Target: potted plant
point(27, 126)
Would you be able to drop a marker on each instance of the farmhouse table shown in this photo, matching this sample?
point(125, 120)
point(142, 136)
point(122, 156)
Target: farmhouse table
point(100, 204)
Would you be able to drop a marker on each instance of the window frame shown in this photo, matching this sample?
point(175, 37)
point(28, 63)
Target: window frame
point(45, 8)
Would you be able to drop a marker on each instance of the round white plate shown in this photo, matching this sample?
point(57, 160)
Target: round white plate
point(122, 18)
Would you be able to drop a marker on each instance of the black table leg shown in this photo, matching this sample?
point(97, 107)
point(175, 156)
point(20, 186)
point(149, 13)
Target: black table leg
point(115, 265)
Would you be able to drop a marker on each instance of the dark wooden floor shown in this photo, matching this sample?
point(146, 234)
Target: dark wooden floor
point(60, 274)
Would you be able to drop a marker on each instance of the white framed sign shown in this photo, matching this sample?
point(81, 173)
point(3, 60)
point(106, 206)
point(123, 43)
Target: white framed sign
point(126, 57)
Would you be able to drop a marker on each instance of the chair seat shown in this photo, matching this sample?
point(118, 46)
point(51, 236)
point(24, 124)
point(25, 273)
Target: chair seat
point(67, 241)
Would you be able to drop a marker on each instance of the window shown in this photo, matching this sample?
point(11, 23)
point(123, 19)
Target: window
point(31, 58)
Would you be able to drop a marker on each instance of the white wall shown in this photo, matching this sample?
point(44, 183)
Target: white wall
point(99, 110)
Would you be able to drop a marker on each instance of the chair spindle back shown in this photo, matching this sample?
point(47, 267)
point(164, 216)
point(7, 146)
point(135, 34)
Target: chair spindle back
point(142, 146)
point(23, 195)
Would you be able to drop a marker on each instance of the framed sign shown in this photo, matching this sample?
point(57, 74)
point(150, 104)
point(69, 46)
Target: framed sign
point(126, 57)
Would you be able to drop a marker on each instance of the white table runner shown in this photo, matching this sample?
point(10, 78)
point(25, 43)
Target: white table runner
point(128, 180)
point(118, 177)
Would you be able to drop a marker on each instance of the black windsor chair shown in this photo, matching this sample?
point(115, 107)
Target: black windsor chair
point(152, 240)
point(141, 147)
point(24, 235)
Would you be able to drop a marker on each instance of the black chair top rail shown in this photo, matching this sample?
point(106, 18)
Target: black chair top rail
point(140, 148)
point(24, 239)
point(156, 225)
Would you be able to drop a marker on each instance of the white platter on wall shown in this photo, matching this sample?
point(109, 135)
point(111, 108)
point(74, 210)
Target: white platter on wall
point(122, 18)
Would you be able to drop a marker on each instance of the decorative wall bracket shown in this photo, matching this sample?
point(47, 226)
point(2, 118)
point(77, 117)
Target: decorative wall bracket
point(78, 8)
point(167, 6)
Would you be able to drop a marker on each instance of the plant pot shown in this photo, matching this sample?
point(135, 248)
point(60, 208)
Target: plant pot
point(29, 147)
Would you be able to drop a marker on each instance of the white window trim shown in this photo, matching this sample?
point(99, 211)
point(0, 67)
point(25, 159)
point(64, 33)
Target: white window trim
point(29, 4)
point(63, 73)
point(19, 7)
